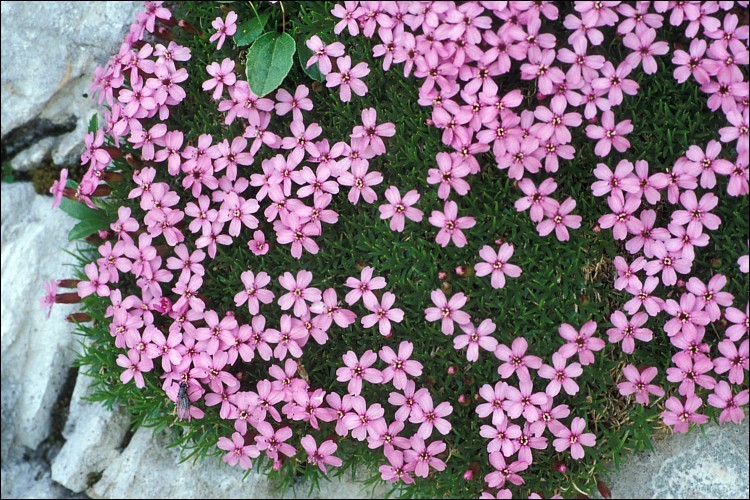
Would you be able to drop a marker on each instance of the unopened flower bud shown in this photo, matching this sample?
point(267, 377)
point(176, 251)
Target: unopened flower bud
point(468, 474)
point(680, 284)
point(452, 370)
point(67, 298)
point(499, 241)
point(461, 270)
point(104, 234)
point(597, 229)
point(442, 275)
point(78, 318)
point(68, 283)
point(446, 287)
point(463, 400)
point(187, 26)
point(559, 467)
point(133, 161)
point(276, 465)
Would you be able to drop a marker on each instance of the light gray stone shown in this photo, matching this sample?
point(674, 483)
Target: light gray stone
point(49, 52)
point(93, 435)
point(148, 469)
point(36, 352)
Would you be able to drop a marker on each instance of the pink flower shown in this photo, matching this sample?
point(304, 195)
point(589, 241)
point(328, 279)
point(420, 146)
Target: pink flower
point(504, 437)
point(524, 401)
point(504, 472)
point(497, 264)
point(405, 401)
point(370, 134)
point(614, 82)
point(628, 330)
point(697, 213)
point(476, 338)
point(733, 360)
point(237, 451)
point(621, 219)
point(610, 134)
point(741, 323)
point(382, 434)
point(361, 182)
point(615, 182)
point(146, 140)
point(626, 273)
point(223, 74)
point(254, 291)
point(258, 244)
point(494, 405)
point(322, 52)
point(559, 220)
point(708, 163)
point(292, 229)
point(689, 316)
point(223, 28)
point(536, 198)
point(561, 376)
point(272, 441)
point(642, 296)
point(320, 455)
point(668, 263)
point(679, 415)
point(573, 438)
point(731, 405)
point(48, 299)
point(348, 78)
point(399, 365)
point(396, 470)
point(540, 67)
point(447, 311)
point(516, 360)
point(554, 121)
point(425, 456)
point(96, 283)
point(357, 370)
point(134, 365)
point(451, 225)
point(400, 208)
point(58, 188)
point(689, 371)
point(429, 416)
point(295, 103)
point(643, 46)
point(383, 314)
point(329, 311)
point(299, 292)
point(449, 174)
point(349, 13)
point(648, 235)
point(582, 342)
point(302, 138)
point(639, 384)
point(363, 287)
point(361, 420)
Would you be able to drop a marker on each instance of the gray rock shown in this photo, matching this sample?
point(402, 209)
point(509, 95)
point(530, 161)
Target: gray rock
point(37, 353)
point(49, 52)
point(93, 435)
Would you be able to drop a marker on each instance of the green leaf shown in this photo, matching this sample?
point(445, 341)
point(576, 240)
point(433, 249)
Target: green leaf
point(268, 62)
point(83, 213)
point(85, 228)
point(303, 54)
point(248, 31)
point(94, 123)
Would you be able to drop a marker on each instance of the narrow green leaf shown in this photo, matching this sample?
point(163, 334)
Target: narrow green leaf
point(268, 62)
point(303, 54)
point(94, 123)
point(80, 211)
point(250, 30)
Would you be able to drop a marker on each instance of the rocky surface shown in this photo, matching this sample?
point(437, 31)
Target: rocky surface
point(49, 52)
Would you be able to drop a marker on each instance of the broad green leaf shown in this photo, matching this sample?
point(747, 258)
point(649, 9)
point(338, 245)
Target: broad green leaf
point(83, 213)
point(303, 54)
point(268, 62)
point(248, 31)
point(85, 228)
point(94, 123)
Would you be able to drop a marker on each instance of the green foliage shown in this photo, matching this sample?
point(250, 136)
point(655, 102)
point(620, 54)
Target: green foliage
point(8, 172)
point(250, 30)
point(268, 62)
point(90, 220)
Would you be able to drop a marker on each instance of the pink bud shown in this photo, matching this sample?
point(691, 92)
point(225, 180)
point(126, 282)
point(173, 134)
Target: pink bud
point(498, 241)
point(468, 474)
point(452, 370)
point(462, 399)
point(442, 275)
point(597, 229)
point(461, 270)
point(276, 465)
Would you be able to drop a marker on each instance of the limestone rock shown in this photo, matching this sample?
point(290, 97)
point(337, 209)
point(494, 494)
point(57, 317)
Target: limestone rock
point(49, 52)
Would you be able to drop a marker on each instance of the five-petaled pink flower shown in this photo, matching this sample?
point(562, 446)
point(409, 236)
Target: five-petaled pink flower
point(475, 338)
point(358, 369)
point(400, 208)
point(223, 74)
point(610, 134)
point(639, 383)
point(447, 311)
point(299, 292)
point(383, 313)
point(679, 415)
point(582, 342)
point(369, 134)
point(322, 52)
point(450, 225)
point(573, 438)
point(399, 365)
point(348, 78)
point(516, 360)
point(363, 287)
point(254, 291)
point(560, 220)
point(223, 28)
point(320, 455)
point(497, 264)
point(237, 451)
point(560, 376)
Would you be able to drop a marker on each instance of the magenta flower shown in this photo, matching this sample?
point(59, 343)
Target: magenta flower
point(222, 74)
point(622, 179)
point(708, 163)
point(731, 405)
point(688, 316)
point(447, 311)
point(614, 82)
point(560, 376)
point(692, 63)
point(272, 441)
point(302, 138)
point(348, 78)
point(516, 360)
point(361, 183)
point(648, 235)
point(668, 263)
point(638, 383)
point(679, 415)
point(320, 455)
point(364, 287)
point(537, 198)
point(524, 401)
point(626, 273)
point(451, 225)
point(476, 338)
point(428, 415)
point(258, 244)
point(400, 208)
point(560, 220)
point(383, 313)
point(295, 103)
point(254, 291)
point(643, 297)
point(573, 438)
point(399, 365)
point(357, 370)
point(232, 155)
point(58, 188)
point(237, 451)
point(554, 121)
point(494, 398)
point(504, 472)
point(425, 456)
point(540, 67)
point(329, 311)
point(610, 134)
point(299, 292)
point(146, 140)
point(627, 330)
point(134, 365)
point(504, 437)
point(322, 52)
point(449, 174)
point(382, 434)
point(621, 219)
point(733, 360)
point(223, 28)
point(96, 283)
point(405, 401)
point(292, 229)
point(741, 323)
point(582, 342)
point(644, 48)
point(497, 264)
point(697, 213)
